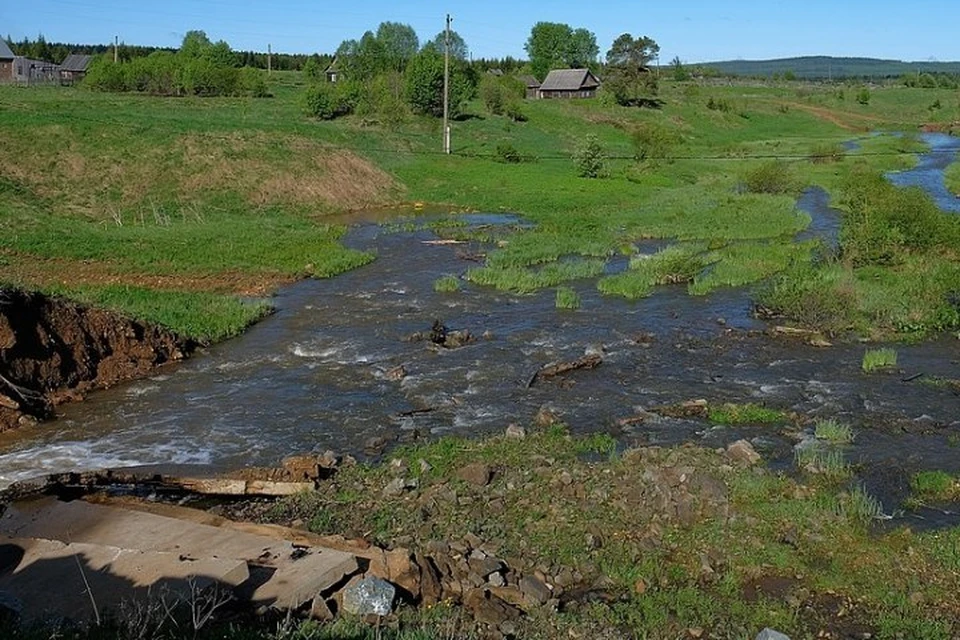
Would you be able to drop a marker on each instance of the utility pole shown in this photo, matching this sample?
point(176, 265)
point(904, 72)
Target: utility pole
point(446, 87)
point(116, 45)
point(269, 59)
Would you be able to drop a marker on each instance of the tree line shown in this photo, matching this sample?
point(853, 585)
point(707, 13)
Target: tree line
point(200, 67)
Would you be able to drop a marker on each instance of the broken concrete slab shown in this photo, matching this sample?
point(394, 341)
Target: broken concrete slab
point(89, 579)
point(287, 576)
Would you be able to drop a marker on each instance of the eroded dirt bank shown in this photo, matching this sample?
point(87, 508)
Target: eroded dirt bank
point(53, 351)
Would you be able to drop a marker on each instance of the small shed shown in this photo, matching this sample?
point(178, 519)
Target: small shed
point(332, 72)
point(532, 85)
point(74, 68)
point(569, 83)
point(6, 61)
point(28, 71)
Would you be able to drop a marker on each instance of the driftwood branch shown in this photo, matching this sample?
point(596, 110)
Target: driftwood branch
point(552, 370)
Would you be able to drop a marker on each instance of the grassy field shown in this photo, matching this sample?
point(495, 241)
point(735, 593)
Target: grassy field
point(217, 198)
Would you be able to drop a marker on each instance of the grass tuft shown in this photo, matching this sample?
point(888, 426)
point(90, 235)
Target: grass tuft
point(859, 506)
point(833, 432)
point(446, 284)
point(737, 414)
point(933, 485)
point(879, 359)
point(822, 461)
point(567, 298)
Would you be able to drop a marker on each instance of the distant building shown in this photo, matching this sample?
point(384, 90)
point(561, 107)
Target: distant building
point(6, 62)
point(28, 71)
point(332, 72)
point(74, 68)
point(532, 85)
point(569, 83)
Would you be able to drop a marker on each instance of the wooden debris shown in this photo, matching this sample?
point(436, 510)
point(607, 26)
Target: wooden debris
point(591, 361)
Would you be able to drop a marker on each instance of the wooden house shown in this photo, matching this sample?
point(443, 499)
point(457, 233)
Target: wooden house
point(569, 83)
point(532, 86)
point(332, 72)
point(74, 68)
point(6, 62)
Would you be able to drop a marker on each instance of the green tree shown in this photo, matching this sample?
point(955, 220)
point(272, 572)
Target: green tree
point(628, 69)
point(194, 44)
point(458, 46)
point(398, 44)
point(423, 84)
point(680, 73)
point(553, 45)
point(312, 70)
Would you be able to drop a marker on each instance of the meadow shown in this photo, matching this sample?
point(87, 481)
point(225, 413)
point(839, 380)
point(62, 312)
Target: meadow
point(126, 200)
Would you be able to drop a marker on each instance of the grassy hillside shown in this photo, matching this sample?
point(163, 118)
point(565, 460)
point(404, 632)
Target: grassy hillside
point(128, 200)
point(825, 67)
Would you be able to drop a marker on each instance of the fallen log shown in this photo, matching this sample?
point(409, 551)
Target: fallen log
point(591, 361)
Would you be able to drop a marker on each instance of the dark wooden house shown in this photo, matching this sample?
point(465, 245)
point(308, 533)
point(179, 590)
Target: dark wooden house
point(532, 85)
point(332, 72)
point(74, 68)
point(569, 83)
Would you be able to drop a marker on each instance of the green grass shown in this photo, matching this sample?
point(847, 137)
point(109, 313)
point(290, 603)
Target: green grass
point(933, 485)
point(952, 178)
point(833, 432)
point(446, 284)
point(523, 280)
point(825, 461)
point(858, 505)
point(740, 414)
point(567, 298)
point(879, 359)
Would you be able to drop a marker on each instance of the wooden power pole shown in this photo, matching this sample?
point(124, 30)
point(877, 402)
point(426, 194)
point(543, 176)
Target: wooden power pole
point(116, 46)
point(446, 86)
point(269, 59)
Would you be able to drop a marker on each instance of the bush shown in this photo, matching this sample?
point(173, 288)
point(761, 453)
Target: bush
point(863, 96)
point(499, 92)
point(507, 153)
point(774, 177)
point(590, 158)
point(718, 104)
point(823, 298)
point(827, 152)
point(252, 83)
point(653, 141)
point(319, 101)
point(514, 111)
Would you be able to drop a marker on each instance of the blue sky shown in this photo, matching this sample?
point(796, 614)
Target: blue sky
point(694, 30)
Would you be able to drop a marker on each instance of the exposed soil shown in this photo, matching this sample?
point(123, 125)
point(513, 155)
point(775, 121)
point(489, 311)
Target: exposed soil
point(53, 351)
point(843, 119)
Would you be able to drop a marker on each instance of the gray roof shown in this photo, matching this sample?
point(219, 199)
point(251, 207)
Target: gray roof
point(76, 62)
point(569, 80)
point(530, 81)
point(5, 51)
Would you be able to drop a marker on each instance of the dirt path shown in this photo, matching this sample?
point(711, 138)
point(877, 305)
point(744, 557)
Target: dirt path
point(841, 119)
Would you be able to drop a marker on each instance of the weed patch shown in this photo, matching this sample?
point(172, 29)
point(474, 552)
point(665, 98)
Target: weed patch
point(879, 359)
point(738, 414)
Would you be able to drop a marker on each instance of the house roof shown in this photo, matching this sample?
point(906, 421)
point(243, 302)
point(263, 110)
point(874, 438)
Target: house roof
point(569, 80)
point(530, 81)
point(5, 51)
point(76, 62)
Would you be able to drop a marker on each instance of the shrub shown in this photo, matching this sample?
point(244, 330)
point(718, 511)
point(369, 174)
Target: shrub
point(446, 284)
point(718, 104)
point(252, 83)
point(514, 111)
point(319, 101)
point(820, 297)
point(863, 96)
point(653, 141)
point(507, 153)
point(827, 152)
point(774, 177)
point(590, 158)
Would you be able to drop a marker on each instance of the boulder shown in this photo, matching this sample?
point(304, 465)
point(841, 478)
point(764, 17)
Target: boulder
point(534, 590)
point(369, 596)
point(770, 634)
point(477, 474)
point(743, 452)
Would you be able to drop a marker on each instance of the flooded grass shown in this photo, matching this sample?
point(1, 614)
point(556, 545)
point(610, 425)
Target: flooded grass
point(833, 431)
point(933, 485)
point(446, 284)
point(879, 360)
point(828, 462)
point(745, 414)
point(738, 265)
point(567, 298)
point(520, 280)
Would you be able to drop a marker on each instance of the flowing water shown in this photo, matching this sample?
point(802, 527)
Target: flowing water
point(317, 374)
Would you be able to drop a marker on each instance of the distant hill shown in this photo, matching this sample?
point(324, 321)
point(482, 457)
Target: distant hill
point(826, 67)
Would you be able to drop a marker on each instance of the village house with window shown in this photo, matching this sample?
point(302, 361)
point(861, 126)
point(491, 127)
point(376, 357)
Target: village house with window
point(6, 61)
point(332, 73)
point(532, 86)
point(569, 83)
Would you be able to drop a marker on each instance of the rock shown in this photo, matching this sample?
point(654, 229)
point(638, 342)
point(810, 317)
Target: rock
point(545, 417)
point(404, 572)
point(430, 589)
point(535, 590)
point(320, 610)
point(375, 445)
point(770, 634)
point(516, 432)
point(742, 451)
point(9, 403)
point(396, 374)
point(488, 608)
point(369, 596)
point(484, 566)
point(425, 467)
point(477, 474)
point(395, 487)
point(302, 467)
point(27, 421)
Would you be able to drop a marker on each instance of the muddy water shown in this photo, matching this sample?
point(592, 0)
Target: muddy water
point(315, 375)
